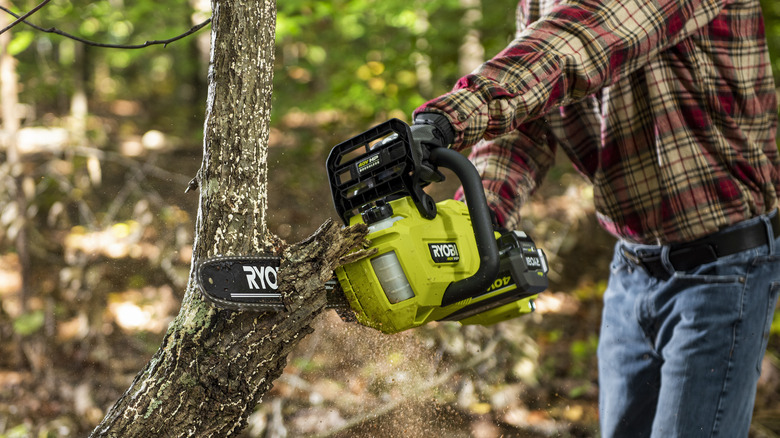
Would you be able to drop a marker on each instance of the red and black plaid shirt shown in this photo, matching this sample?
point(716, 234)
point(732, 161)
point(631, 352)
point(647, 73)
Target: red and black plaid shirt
point(668, 107)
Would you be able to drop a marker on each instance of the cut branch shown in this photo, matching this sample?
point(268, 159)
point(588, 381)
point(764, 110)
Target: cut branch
point(54, 30)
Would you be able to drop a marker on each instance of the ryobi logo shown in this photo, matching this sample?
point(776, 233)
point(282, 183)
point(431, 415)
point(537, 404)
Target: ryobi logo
point(444, 252)
point(267, 276)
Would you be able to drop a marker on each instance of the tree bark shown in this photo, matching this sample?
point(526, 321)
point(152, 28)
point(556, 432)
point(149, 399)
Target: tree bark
point(214, 366)
point(14, 181)
point(9, 100)
point(471, 54)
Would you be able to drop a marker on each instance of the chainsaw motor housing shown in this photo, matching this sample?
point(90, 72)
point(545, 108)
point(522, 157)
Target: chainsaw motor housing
point(433, 261)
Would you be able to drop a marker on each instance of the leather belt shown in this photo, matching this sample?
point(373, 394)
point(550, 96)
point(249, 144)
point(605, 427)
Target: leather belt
point(689, 255)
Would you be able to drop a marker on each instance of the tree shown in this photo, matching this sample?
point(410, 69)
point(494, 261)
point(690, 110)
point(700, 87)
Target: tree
point(214, 366)
point(10, 126)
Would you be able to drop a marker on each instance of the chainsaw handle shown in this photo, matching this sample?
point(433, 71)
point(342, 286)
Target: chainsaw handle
point(480, 222)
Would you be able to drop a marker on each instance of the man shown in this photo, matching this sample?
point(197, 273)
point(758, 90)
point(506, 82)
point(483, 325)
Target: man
point(668, 107)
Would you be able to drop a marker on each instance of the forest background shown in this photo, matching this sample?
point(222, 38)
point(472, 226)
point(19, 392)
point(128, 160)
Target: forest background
point(96, 230)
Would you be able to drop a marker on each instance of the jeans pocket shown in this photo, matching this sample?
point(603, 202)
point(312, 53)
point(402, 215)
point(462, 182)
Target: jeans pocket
point(774, 289)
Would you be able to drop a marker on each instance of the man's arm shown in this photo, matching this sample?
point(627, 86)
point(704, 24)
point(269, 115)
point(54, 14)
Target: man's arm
point(574, 51)
point(511, 168)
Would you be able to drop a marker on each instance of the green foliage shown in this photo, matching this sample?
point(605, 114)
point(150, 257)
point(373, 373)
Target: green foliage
point(20, 42)
point(20, 431)
point(771, 10)
point(54, 66)
point(581, 390)
point(370, 59)
point(365, 57)
point(590, 290)
point(582, 354)
point(306, 364)
point(28, 323)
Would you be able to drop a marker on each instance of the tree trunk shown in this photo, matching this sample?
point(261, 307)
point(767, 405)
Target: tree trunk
point(9, 140)
point(14, 181)
point(214, 366)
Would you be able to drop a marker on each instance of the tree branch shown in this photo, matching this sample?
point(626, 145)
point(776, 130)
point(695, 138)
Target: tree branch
point(54, 30)
point(19, 19)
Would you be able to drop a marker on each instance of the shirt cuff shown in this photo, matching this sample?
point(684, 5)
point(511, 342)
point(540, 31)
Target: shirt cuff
point(466, 111)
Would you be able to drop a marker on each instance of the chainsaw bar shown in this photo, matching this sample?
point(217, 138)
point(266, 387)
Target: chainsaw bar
point(251, 283)
point(242, 283)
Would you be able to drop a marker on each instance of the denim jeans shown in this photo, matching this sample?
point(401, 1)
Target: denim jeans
point(681, 357)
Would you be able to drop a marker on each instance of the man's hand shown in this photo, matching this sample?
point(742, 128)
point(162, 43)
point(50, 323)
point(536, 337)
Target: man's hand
point(430, 131)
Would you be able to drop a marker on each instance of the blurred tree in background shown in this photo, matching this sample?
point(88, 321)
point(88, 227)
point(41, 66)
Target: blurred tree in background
point(99, 144)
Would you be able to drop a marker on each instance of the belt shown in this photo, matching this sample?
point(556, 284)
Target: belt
point(689, 255)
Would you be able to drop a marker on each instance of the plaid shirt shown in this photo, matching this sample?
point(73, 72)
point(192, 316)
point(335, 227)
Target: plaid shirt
point(668, 107)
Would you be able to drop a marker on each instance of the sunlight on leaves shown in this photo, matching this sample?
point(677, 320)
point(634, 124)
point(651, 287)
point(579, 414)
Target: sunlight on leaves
point(20, 42)
point(148, 309)
point(29, 323)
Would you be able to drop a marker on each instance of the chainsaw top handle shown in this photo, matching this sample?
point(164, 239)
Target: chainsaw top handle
point(377, 165)
point(480, 222)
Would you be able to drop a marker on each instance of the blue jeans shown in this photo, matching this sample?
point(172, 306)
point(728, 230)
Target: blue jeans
point(681, 357)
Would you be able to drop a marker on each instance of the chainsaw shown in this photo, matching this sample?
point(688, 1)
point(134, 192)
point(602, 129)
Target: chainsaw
point(433, 261)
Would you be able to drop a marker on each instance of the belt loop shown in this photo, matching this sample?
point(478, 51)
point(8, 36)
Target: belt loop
point(667, 264)
point(770, 233)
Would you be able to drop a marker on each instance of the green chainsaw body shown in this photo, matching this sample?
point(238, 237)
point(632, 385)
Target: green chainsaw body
point(420, 255)
point(402, 286)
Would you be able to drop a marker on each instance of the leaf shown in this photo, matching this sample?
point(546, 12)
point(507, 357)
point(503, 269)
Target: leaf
point(19, 431)
point(579, 391)
point(29, 323)
point(775, 330)
point(20, 42)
